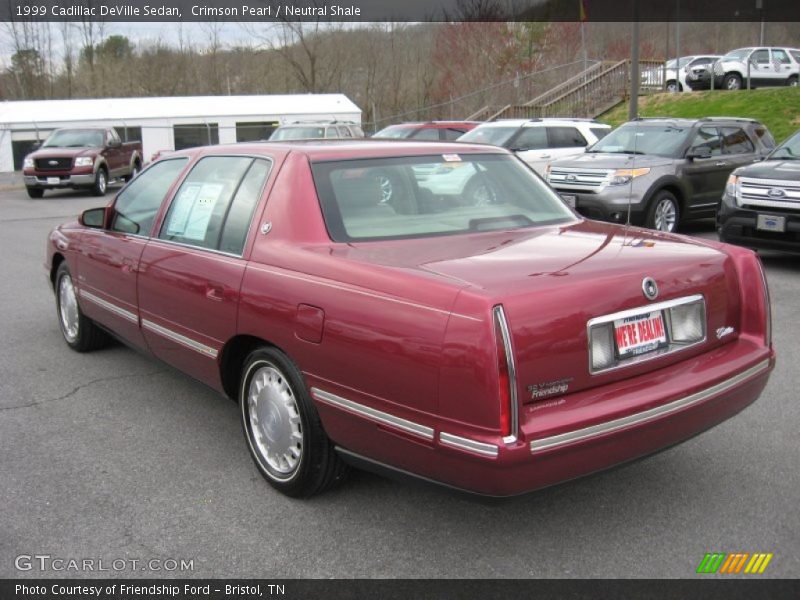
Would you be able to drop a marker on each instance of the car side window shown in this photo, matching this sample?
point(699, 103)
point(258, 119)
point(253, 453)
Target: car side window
point(137, 205)
point(735, 141)
point(344, 132)
point(760, 57)
point(566, 137)
point(425, 134)
point(452, 134)
point(780, 56)
point(707, 138)
point(198, 209)
point(600, 132)
point(531, 138)
point(240, 214)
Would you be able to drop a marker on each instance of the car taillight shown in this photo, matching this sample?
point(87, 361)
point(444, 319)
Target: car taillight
point(506, 381)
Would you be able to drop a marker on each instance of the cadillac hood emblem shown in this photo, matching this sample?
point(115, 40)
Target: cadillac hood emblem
point(650, 288)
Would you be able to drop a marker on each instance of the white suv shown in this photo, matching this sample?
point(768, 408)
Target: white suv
point(539, 141)
point(763, 66)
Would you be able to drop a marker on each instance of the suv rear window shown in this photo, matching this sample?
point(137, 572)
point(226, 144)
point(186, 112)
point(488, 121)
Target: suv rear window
point(425, 196)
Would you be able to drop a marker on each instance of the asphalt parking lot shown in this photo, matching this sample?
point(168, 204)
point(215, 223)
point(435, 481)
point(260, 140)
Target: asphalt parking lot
point(112, 455)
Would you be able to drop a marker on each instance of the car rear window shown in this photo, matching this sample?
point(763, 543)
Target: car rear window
point(297, 133)
point(494, 135)
point(445, 194)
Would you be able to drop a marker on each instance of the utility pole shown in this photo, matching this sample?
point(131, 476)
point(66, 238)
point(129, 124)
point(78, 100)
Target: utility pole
point(633, 106)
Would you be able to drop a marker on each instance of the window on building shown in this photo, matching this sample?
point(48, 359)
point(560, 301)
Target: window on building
point(201, 134)
point(253, 132)
point(129, 134)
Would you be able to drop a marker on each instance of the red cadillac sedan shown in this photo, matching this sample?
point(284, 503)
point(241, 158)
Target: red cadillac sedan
point(470, 329)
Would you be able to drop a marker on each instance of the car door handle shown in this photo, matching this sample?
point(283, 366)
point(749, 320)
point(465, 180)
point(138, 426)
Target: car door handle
point(215, 292)
point(721, 163)
point(544, 156)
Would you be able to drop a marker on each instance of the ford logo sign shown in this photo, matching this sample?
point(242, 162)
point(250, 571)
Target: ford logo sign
point(52, 162)
point(776, 193)
point(570, 177)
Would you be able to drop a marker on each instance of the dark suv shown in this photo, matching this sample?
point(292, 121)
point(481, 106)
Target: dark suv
point(659, 171)
point(761, 204)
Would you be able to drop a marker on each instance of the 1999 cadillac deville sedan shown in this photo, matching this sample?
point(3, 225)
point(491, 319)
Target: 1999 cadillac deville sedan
point(470, 330)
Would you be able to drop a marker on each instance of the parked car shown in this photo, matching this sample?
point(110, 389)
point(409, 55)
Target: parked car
point(86, 157)
point(310, 130)
point(659, 171)
point(697, 73)
point(496, 348)
point(429, 130)
point(539, 141)
point(763, 66)
point(672, 76)
point(761, 204)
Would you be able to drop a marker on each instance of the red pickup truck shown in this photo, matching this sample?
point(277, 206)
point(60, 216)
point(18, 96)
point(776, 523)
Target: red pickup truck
point(86, 157)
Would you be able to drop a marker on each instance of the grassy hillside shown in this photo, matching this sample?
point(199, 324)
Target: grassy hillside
point(777, 108)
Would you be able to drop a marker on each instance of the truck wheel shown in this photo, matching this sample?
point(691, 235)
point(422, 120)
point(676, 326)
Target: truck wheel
point(283, 431)
point(663, 213)
point(100, 182)
point(673, 86)
point(35, 192)
point(732, 81)
point(137, 166)
point(792, 81)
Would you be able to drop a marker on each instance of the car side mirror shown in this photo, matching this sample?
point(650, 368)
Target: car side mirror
point(114, 143)
point(694, 153)
point(94, 218)
point(36, 145)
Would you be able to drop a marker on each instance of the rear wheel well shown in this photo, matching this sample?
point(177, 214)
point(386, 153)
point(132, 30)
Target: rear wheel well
point(57, 260)
point(233, 356)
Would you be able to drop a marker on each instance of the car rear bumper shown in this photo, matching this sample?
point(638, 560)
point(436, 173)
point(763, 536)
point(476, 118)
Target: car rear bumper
point(740, 226)
point(570, 436)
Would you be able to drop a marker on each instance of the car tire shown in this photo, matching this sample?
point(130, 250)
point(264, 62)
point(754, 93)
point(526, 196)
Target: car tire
point(792, 82)
point(673, 86)
point(732, 81)
point(137, 166)
point(79, 331)
point(283, 431)
point(100, 182)
point(35, 192)
point(663, 213)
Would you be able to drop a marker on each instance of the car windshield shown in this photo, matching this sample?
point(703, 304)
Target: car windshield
point(737, 54)
point(426, 196)
point(788, 150)
point(494, 135)
point(395, 132)
point(637, 138)
point(297, 133)
point(75, 138)
point(683, 61)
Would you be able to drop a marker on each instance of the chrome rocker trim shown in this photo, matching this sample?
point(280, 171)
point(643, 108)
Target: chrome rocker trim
point(373, 414)
point(556, 441)
point(120, 312)
point(180, 339)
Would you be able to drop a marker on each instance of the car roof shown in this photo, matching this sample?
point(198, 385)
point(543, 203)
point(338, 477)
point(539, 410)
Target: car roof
point(433, 124)
point(540, 121)
point(343, 149)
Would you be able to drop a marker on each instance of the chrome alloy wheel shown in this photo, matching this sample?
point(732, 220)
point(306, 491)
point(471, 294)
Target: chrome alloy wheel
point(102, 182)
point(275, 424)
point(68, 308)
point(665, 215)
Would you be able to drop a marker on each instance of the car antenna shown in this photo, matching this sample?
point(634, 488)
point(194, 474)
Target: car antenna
point(633, 166)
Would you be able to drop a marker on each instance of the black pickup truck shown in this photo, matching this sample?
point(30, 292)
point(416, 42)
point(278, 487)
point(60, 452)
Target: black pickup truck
point(85, 157)
point(761, 204)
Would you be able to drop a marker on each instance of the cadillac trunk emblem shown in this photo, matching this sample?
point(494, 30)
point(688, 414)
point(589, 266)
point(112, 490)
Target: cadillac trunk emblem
point(776, 193)
point(650, 288)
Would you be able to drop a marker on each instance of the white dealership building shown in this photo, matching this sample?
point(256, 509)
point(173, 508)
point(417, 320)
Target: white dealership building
point(169, 123)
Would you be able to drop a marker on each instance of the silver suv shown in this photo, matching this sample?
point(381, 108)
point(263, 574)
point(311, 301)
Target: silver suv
point(760, 66)
point(659, 171)
point(315, 130)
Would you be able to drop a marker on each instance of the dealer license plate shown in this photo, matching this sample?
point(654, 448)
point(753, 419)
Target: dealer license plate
point(53, 180)
point(569, 200)
point(771, 223)
point(639, 334)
